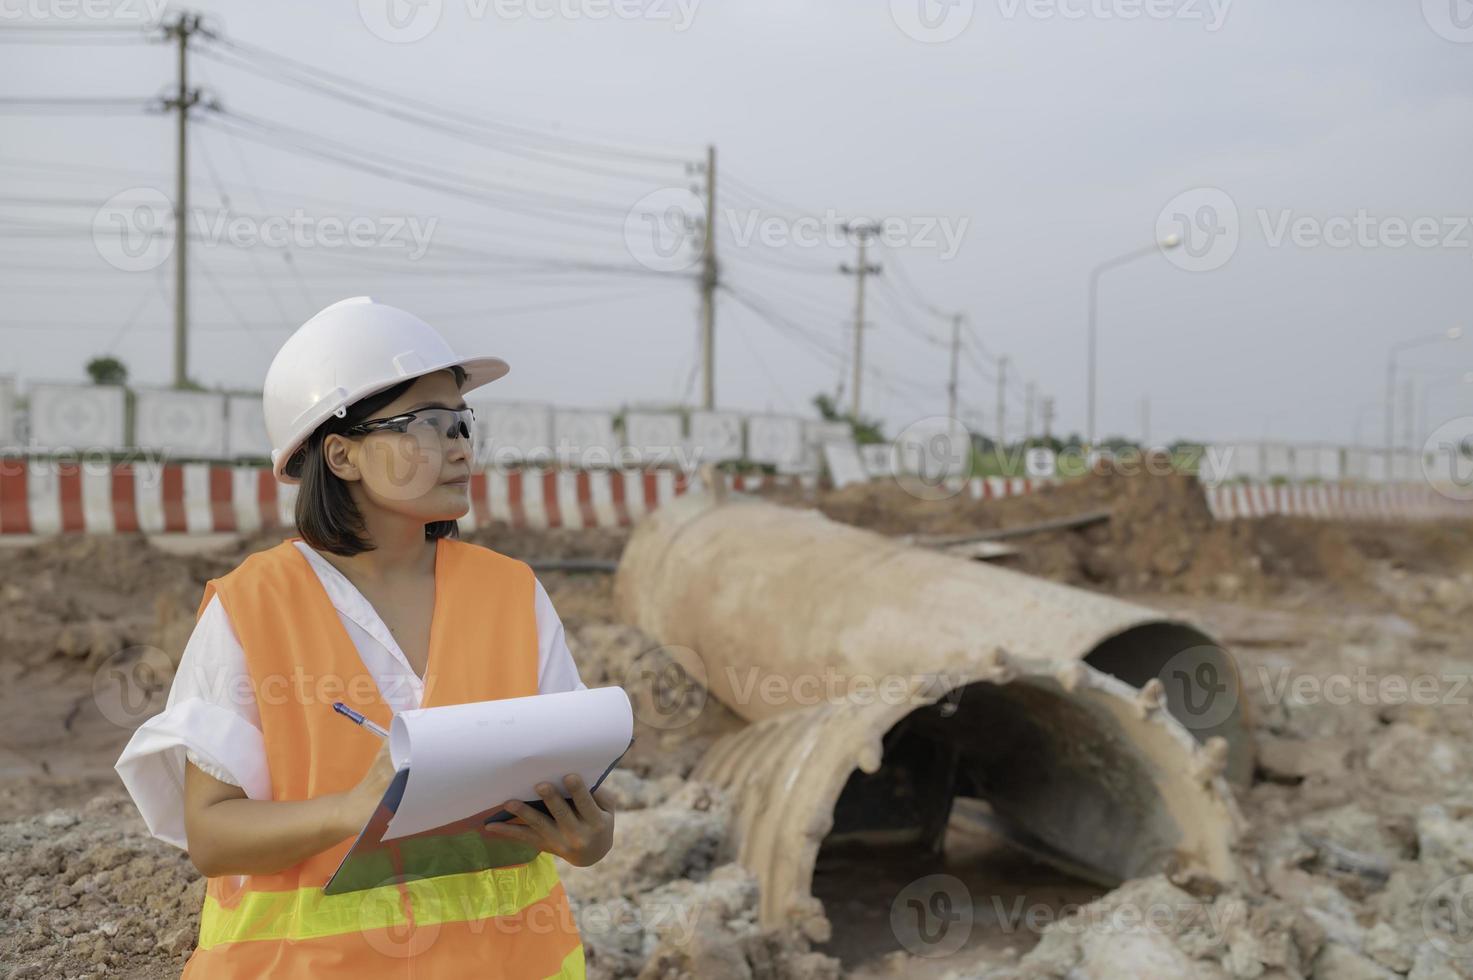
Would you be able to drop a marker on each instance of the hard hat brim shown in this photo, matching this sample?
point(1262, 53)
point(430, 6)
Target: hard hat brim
point(479, 371)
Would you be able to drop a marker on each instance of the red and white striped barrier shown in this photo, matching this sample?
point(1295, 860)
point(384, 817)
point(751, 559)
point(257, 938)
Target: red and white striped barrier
point(40, 497)
point(1396, 502)
point(44, 497)
point(997, 487)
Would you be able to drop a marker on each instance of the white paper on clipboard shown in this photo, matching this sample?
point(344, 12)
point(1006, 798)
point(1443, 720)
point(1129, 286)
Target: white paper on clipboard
point(465, 758)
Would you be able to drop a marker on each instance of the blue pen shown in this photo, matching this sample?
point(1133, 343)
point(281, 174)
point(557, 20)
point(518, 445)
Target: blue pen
point(358, 719)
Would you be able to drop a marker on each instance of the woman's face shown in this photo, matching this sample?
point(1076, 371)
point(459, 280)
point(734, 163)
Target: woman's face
point(421, 473)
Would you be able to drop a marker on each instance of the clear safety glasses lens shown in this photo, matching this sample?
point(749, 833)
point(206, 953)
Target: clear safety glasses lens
point(442, 424)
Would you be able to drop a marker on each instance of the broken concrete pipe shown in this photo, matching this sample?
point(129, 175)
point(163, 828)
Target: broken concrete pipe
point(876, 677)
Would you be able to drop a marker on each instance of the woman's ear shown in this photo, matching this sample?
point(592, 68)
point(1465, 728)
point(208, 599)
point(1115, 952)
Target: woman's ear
point(341, 456)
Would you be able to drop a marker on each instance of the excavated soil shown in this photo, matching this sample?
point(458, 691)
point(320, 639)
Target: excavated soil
point(1161, 537)
point(1359, 845)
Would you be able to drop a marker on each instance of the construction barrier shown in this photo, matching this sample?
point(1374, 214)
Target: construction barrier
point(1397, 502)
point(719, 434)
point(190, 423)
point(775, 439)
point(39, 496)
point(72, 417)
point(42, 496)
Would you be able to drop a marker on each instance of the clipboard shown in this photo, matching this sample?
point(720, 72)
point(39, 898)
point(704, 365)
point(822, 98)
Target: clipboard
point(454, 848)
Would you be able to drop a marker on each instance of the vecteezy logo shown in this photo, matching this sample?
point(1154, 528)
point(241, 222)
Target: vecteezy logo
point(1447, 917)
point(932, 457)
point(932, 916)
point(933, 21)
point(1447, 459)
point(1451, 19)
point(1201, 688)
point(663, 231)
point(134, 229)
point(392, 935)
point(400, 21)
point(1206, 222)
point(668, 686)
point(132, 685)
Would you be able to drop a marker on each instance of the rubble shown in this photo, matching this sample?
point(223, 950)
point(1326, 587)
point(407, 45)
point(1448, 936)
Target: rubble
point(87, 892)
point(668, 901)
point(1356, 856)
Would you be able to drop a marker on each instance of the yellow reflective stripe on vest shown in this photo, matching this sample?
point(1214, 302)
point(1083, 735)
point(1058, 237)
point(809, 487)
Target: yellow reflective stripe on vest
point(573, 967)
point(306, 913)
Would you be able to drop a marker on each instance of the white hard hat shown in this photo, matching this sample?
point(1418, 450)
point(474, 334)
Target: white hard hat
point(345, 353)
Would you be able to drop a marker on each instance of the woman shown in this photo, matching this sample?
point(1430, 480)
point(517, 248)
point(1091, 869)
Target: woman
point(377, 604)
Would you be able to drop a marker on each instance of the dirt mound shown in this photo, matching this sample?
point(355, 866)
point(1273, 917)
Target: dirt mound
point(1161, 537)
point(86, 598)
point(528, 544)
point(88, 893)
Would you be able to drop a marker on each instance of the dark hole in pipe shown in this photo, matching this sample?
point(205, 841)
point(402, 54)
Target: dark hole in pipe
point(981, 791)
point(1200, 680)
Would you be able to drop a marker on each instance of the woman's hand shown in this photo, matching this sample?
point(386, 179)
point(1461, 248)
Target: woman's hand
point(580, 835)
point(360, 802)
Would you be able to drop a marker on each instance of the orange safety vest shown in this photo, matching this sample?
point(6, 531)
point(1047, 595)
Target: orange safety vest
point(505, 923)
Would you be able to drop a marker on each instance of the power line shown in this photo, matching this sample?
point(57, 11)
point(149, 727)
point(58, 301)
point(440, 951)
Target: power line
point(90, 35)
point(255, 259)
point(915, 294)
point(77, 105)
point(784, 324)
point(891, 298)
point(507, 131)
point(498, 142)
point(774, 204)
point(508, 197)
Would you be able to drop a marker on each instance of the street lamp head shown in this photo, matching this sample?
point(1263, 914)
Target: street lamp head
point(1171, 241)
point(1454, 333)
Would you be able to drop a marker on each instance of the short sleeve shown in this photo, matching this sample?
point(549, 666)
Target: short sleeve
point(210, 717)
point(556, 671)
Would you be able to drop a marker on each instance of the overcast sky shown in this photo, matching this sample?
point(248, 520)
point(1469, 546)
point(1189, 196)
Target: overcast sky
point(1314, 154)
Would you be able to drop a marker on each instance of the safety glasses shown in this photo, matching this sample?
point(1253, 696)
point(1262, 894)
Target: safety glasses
point(425, 425)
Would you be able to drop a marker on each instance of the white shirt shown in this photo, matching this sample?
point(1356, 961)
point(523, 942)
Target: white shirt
point(211, 718)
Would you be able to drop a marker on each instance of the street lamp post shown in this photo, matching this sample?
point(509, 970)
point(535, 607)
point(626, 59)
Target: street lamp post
point(1451, 333)
point(1423, 428)
point(1169, 242)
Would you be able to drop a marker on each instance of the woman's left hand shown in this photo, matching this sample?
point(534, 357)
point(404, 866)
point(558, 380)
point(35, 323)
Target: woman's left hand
point(580, 835)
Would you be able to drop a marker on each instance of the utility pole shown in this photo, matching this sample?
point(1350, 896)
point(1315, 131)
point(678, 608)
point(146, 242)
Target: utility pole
point(1145, 423)
point(709, 280)
point(956, 347)
point(180, 30)
point(1028, 391)
point(1048, 418)
point(1409, 409)
point(1390, 412)
point(1002, 387)
point(863, 233)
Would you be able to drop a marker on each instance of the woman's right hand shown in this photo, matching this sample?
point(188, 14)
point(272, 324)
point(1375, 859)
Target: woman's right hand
point(362, 800)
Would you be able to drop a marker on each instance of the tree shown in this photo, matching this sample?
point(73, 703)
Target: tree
point(866, 431)
point(107, 371)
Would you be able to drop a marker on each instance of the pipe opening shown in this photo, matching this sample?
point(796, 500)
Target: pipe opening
point(1138, 654)
point(1018, 791)
point(1200, 680)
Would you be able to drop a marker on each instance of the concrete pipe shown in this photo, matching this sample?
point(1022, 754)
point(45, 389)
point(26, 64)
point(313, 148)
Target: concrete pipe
point(886, 683)
point(784, 607)
point(1076, 767)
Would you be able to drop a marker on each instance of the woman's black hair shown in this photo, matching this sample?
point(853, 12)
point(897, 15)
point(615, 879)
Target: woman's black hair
point(327, 518)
